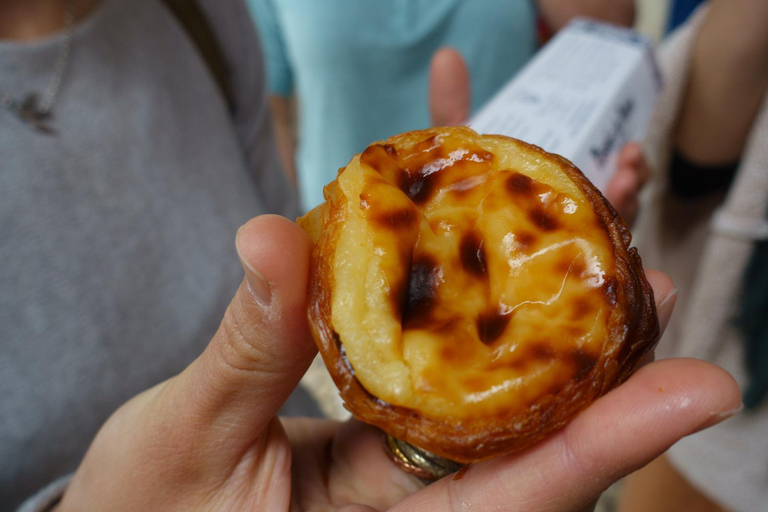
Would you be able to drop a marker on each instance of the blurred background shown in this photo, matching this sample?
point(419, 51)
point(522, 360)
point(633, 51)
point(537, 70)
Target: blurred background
point(652, 17)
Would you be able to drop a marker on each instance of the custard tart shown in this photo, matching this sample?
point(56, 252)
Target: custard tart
point(470, 294)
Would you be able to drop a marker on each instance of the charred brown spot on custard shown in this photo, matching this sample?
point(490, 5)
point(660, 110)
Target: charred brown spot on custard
point(538, 352)
point(523, 188)
point(581, 308)
point(382, 161)
point(570, 264)
point(391, 150)
point(526, 192)
point(420, 185)
point(427, 162)
point(395, 219)
point(472, 252)
point(398, 289)
point(520, 185)
point(491, 325)
point(485, 156)
point(542, 351)
point(525, 240)
point(421, 294)
point(376, 156)
point(543, 220)
point(583, 363)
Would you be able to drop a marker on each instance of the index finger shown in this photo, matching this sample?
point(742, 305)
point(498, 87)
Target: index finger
point(619, 433)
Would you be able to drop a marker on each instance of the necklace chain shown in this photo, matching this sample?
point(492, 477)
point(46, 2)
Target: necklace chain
point(32, 110)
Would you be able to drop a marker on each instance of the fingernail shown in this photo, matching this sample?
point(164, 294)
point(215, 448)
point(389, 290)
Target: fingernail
point(721, 416)
point(666, 308)
point(258, 287)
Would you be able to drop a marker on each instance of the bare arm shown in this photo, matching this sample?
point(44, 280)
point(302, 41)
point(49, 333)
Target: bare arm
point(283, 119)
point(728, 81)
point(557, 13)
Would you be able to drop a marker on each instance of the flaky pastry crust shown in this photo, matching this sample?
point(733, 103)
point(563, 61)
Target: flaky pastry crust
point(461, 382)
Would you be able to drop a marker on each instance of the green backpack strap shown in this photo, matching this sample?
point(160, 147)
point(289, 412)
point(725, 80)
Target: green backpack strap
point(191, 16)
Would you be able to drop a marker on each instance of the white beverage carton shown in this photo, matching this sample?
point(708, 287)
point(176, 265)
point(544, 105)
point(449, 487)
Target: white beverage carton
point(590, 90)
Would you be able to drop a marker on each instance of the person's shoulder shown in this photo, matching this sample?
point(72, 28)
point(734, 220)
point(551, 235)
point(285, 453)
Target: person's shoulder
point(235, 31)
point(231, 21)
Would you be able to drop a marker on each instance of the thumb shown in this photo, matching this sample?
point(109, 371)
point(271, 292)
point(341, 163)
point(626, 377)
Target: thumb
point(263, 346)
point(449, 88)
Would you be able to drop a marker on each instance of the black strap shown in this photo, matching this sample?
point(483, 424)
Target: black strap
point(691, 180)
point(191, 16)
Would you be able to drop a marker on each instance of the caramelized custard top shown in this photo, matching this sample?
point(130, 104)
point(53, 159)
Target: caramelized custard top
point(471, 277)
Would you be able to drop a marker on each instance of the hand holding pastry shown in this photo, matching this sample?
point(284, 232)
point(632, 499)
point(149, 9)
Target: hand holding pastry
point(208, 439)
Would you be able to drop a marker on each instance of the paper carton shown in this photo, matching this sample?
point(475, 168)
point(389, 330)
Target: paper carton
point(585, 94)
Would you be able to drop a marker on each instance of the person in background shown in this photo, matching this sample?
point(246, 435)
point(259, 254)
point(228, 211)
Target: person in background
point(126, 170)
point(706, 226)
point(358, 71)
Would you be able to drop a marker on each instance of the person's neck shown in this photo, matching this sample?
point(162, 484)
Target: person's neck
point(28, 20)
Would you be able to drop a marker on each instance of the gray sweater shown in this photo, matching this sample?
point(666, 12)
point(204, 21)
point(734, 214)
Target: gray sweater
point(117, 254)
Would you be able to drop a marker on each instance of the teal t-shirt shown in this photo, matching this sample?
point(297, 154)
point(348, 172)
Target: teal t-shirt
point(359, 68)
